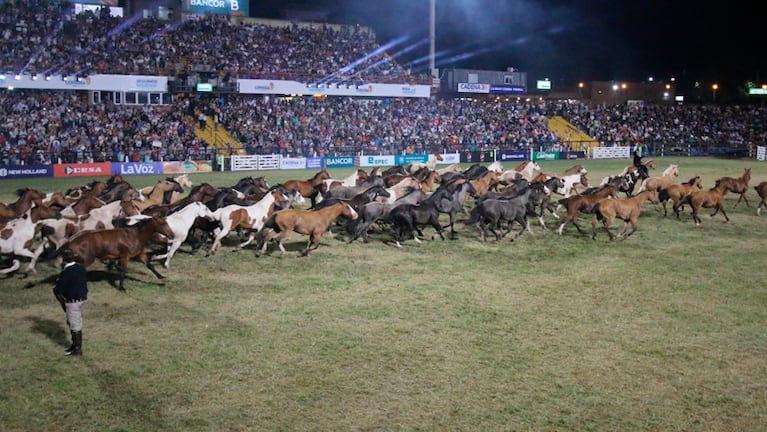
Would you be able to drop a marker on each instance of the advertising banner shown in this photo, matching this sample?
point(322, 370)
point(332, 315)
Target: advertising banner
point(449, 158)
point(82, 170)
point(261, 86)
point(367, 161)
point(610, 152)
point(408, 159)
point(25, 171)
point(221, 7)
point(507, 89)
point(572, 155)
point(314, 163)
point(137, 168)
point(761, 153)
point(478, 157)
point(547, 155)
point(511, 156)
point(187, 167)
point(473, 88)
point(138, 83)
point(339, 161)
point(293, 163)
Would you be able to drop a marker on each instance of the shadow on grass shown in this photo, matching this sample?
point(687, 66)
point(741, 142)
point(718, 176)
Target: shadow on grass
point(53, 330)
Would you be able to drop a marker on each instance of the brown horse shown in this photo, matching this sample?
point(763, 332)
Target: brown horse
point(736, 185)
point(576, 204)
point(309, 188)
point(27, 198)
point(121, 244)
point(761, 190)
point(676, 192)
point(627, 210)
point(713, 198)
point(311, 222)
point(157, 196)
point(484, 184)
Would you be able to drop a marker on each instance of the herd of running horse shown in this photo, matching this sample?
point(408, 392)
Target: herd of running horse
point(114, 222)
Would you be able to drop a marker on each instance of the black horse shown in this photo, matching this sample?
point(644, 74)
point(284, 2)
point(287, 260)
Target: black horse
point(491, 213)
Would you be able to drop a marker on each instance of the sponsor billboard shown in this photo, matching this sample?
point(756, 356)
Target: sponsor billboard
point(367, 161)
point(408, 159)
point(82, 170)
point(221, 7)
point(478, 156)
point(572, 155)
point(450, 158)
point(507, 89)
point(25, 171)
point(137, 168)
point(139, 83)
point(339, 161)
point(260, 86)
point(292, 163)
point(187, 167)
point(473, 88)
point(511, 156)
point(547, 155)
point(314, 163)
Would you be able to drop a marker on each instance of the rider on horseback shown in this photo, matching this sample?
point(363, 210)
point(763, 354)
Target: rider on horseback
point(640, 166)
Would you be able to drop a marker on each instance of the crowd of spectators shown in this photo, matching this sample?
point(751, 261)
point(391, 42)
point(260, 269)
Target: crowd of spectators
point(48, 126)
point(46, 37)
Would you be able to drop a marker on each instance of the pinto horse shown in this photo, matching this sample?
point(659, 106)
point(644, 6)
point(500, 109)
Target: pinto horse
point(761, 190)
point(525, 170)
point(311, 188)
point(313, 223)
point(121, 244)
point(627, 210)
point(251, 217)
point(736, 185)
point(181, 223)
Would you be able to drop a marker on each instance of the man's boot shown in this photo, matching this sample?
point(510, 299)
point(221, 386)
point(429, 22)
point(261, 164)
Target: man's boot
point(77, 341)
point(72, 345)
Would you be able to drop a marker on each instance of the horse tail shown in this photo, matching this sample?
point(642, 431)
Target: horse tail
point(563, 201)
point(271, 223)
point(473, 216)
point(663, 195)
point(597, 210)
point(687, 199)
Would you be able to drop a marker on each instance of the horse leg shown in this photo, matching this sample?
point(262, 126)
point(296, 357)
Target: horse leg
point(633, 222)
point(143, 258)
point(725, 214)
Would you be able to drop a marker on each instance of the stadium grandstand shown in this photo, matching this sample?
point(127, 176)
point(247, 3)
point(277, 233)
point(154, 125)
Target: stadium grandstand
point(208, 84)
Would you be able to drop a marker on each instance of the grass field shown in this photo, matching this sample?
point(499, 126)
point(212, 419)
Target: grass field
point(665, 330)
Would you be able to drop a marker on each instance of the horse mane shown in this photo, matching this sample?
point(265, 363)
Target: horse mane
point(670, 169)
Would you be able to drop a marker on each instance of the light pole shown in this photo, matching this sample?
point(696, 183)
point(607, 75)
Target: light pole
point(714, 88)
point(580, 89)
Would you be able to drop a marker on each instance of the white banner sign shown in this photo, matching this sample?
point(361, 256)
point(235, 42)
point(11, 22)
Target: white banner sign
point(761, 153)
point(368, 160)
point(258, 86)
point(473, 88)
point(610, 152)
point(292, 163)
point(141, 83)
point(449, 158)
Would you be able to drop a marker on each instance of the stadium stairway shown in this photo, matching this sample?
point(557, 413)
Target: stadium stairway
point(216, 136)
point(579, 140)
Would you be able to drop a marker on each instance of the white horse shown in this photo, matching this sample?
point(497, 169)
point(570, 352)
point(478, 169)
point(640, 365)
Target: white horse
point(570, 181)
point(180, 223)
point(496, 167)
point(525, 170)
point(431, 164)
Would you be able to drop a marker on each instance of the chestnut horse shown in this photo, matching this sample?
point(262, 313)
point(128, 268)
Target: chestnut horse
point(713, 198)
point(121, 244)
point(676, 192)
point(761, 190)
point(311, 188)
point(627, 210)
point(584, 204)
point(311, 222)
point(27, 197)
point(736, 185)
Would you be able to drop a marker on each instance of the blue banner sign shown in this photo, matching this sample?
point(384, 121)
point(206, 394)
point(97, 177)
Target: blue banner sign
point(314, 163)
point(509, 156)
point(137, 168)
point(339, 161)
point(25, 171)
point(408, 159)
point(222, 7)
point(507, 89)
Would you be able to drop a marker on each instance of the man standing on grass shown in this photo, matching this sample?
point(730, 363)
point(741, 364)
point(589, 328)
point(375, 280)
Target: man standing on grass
point(71, 290)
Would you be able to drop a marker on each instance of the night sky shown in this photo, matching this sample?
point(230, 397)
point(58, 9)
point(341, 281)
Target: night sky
point(566, 41)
